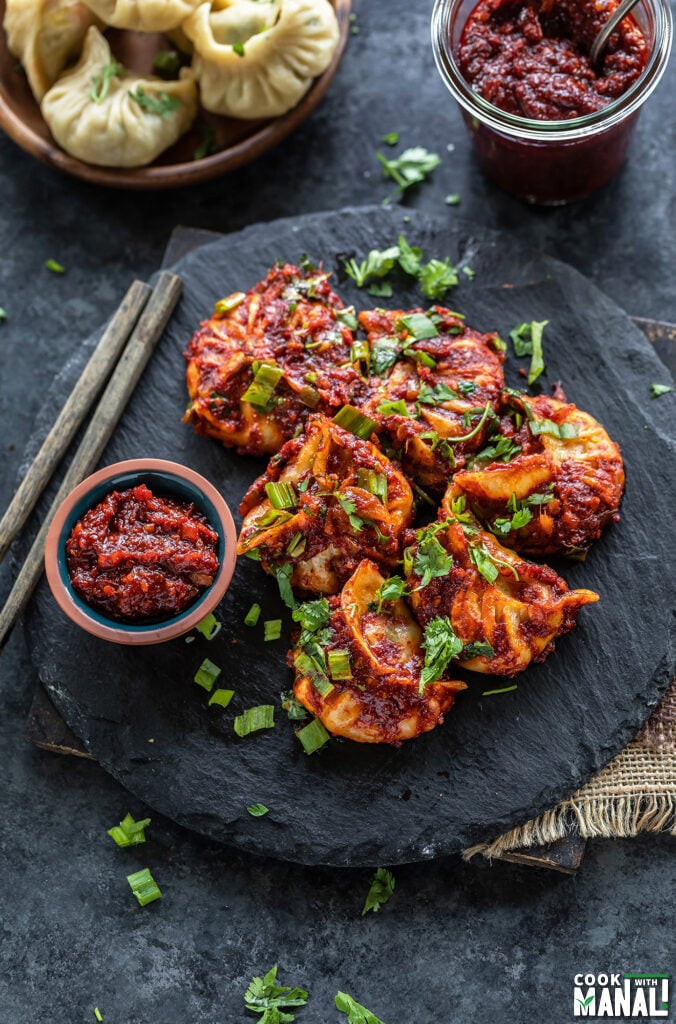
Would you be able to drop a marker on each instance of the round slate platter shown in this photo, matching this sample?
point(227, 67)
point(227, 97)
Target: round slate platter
point(497, 761)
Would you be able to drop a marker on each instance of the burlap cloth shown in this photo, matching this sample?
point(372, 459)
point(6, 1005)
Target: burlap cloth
point(635, 792)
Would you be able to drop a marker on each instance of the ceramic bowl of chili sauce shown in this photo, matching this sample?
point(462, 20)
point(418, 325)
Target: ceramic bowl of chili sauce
point(141, 551)
point(546, 125)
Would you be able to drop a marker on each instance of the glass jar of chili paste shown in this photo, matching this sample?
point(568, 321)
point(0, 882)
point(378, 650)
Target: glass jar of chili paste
point(571, 144)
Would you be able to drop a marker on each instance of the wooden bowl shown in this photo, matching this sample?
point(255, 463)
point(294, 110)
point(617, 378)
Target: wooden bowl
point(239, 142)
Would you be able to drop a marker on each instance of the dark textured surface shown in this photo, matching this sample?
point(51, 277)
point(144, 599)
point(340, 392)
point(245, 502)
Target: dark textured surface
point(457, 943)
point(497, 761)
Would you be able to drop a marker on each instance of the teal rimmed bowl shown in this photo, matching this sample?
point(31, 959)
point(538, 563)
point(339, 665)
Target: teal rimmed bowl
point(165, 479)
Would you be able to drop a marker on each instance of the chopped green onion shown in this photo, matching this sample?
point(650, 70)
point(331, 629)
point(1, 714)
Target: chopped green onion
point(272, 629)
point(505, 689)
point(144, 887)
point(253, 719)
point(452, 200)
point(309, 396)
point(297, 545)
point(339, 664)
point(129, 832)
point(351, 419)
point(391, 138)
point(274, 517)
point(281, 495)
point(97, 1014)
point(101, 82)
point(310, 667)
point(229, 303)
point(374, 483)
point(221, 697)
point(348, 317)
point(257, 810)
point(418, 326)
point(564, 431)
point(313, 736)
point(360, 353)
point(209, 627)
point(262, 387)
point(55, 267)
point(253, 615)
point(207, 674)
point(424, 358)
point(398, 408)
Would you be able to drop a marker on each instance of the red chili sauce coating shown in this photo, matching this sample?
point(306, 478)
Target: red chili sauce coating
point(531, 58)
point(137, 557)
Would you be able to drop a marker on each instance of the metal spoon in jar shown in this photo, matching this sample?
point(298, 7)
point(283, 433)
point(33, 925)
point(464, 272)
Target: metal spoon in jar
point(601, 41)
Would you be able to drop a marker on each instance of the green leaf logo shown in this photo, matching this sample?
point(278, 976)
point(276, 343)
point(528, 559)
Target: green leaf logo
point(585, 1002)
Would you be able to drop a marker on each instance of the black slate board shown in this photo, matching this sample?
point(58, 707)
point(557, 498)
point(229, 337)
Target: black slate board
point(497, 761)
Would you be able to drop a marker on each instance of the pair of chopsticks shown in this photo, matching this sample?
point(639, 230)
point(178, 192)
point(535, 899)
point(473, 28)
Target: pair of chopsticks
point(122, 354)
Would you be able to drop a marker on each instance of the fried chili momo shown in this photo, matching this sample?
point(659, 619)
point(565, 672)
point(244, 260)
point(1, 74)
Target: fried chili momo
point(359, 670)
point(562, 483)
point(435, 385)
point(326, 501)
point(512, 608)
point(267, 358)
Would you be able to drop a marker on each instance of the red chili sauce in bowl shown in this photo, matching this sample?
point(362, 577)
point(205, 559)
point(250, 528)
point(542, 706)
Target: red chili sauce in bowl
point(531, 58)
point(137, 557)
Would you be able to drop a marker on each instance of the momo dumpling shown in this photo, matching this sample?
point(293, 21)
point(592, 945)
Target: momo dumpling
point(267, 73)
point(45, 35)
point(104, 115)
point(143, 15)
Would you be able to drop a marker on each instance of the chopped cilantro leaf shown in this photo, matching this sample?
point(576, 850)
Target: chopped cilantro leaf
point(257, 810)
point(350, 509)
point(436, 277)
point(441, 645)
point(283, 575)
point(656, 390)
point(380, 889)
point(312, 614)
point(409, 257)
point(265, 994)
point(3, 316)
point(469, 273)
point(437, 394)
point(167, 63)
point(377, 264)
point(452, 200)
point(487, 564)
point(164, 105)
point(391, 589)
point(293, 707)
point(380, 290)
point(418, 325)
point(391, 138)
point(431, 559)
point(410, 168)
point(527, 341)
point(476, 649)
point(355, 1012)
point(384, 355)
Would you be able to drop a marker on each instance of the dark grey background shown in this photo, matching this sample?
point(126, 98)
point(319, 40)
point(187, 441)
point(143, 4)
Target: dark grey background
point(457, 943)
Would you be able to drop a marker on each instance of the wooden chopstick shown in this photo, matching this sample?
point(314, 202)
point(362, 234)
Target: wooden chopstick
point(78, 404)
point(106, 416)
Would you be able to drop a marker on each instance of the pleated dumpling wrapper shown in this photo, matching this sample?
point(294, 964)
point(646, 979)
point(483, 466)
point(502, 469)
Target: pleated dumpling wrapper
point(45, 35)
point(105, 115)
point(143, 15)
point(266, 73)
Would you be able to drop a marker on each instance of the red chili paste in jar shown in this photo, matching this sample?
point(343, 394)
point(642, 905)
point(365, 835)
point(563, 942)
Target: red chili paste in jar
point(138, 557)
point(531, 58)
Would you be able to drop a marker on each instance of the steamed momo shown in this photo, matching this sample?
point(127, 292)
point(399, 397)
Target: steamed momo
point(275, 64)
point(116, 130)
point(44, 35)
point(143, 15)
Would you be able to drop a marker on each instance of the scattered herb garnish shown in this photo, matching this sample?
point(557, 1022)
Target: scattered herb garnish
point(238, 48)
point(264, 994)
point(144, 887)
point(272, 629)
point(373, 482)
point(293, 707)
point(351, 419)
point(262, 387)
point(410, 168)
point(167, 63)
point(391, 589)
point(527, 341)
point(209, 626)
point(564, 431)
point(129, 832)
point(55, 267)
point(253, 719)
point(452, 200)
point(97, 1014)
point(313, 736)
point(283, 575)
point(253, 615)
point(487, 564)
point(229, 303)
point(207, 674)
point(391, 139)
point(657, 390)
point(501, 449)
point(163, 106)
point(441, 645)
point(339, 665)
point(207, 144)
point(281, 494)
point(221, 697)
point(257, 810)
point(436, 277)
point(312, 615)
point(431, 559)
point(380, 889)
point(504, 689)
point(398, 408)
point(521, 518)
point(382, 290)
point(477, 649)
point(418, 325)
point(3, 316)
point(355, 1012)
point(469, 273)
point(349, 507)
point(409, 257)
point(437, 394)
point(378, 263)
point(384, 355)
point(101, 82)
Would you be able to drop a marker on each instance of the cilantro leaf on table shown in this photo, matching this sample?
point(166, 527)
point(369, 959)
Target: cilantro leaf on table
point(264, 995)
point(355, 1012)
point(527, 341)
point(380, 889)
point(410, 167)
point(436, 277)
point(378, 263)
